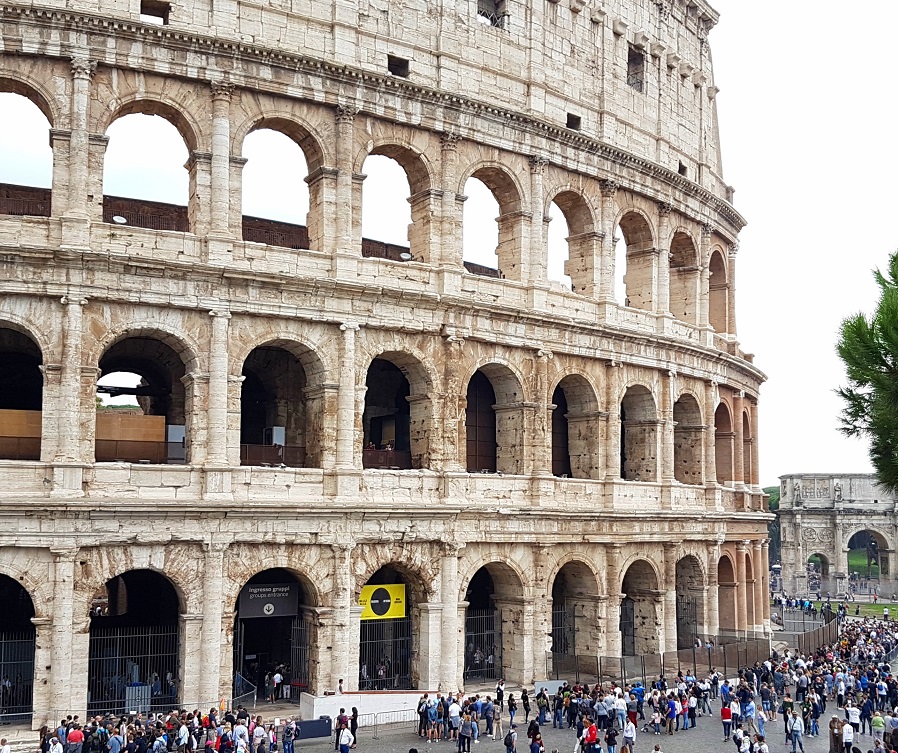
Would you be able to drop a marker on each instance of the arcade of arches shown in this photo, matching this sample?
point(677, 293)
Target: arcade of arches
point(148, 634)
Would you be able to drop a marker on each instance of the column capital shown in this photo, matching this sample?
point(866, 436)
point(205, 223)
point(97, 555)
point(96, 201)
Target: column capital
point(706, 231)
point(222, 90)
point(350, 327)
point(220, 313)
point(449, 140)
point(451, 548)
point(346, 113)
point(341, 547)
point(73, 301)
point(64, 553)
point(538, 163)
point(545, 355)
point(83, 66)
point(733, 250)
point(664, 209)
point(608, 187)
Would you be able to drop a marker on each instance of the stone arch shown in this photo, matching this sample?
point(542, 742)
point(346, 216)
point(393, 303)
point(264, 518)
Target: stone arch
point(875, 545)
point(688, 440)
point(718, 291)
point(748, 439)
point(397, 420)
point(576, 441)
point(33, 584)
point(159, 104)
point(21, 395)
point(724, 443)
point(583, 242)
point(17, 643)
point(30, 329)
point(639, 434)
point(35, 91)
point(690, 587)
point(685, 277)
point(750, 607)
point(299, 130)
point(641, 610)
point(184, 344)
point(577, 616)
point(641, 259)
point(307, 352)
point(494, 419)
point(727, 587)
point(822, 565)
point(509, 194)
point(414, 563)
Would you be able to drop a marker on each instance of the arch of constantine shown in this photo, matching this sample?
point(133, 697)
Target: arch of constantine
point(826, 517)
point(525, 469)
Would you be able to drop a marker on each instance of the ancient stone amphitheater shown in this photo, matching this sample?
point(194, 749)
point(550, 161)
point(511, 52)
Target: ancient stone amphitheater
point(532, 472)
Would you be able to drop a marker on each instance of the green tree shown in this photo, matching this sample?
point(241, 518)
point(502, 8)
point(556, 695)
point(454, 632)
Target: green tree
point(869, 349)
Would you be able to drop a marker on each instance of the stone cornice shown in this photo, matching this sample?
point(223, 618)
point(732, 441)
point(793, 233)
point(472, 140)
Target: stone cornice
point(193, 42)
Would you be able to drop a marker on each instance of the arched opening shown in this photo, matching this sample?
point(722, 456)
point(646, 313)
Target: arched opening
point(641, 266)
point(493, 621)
point(868, 557)
point(639, 436)
point(574, 247)
point(747, 441)
point(275, 193)
point(749, 592)
point(557, 251)
point(21, 396)
point(147, 179)
point(387, 639)
point(577, 625)
point(619, 283)
point(640, 611)
point(274, 632)
point(396, 420)
point(26, 156)
point(494, 421)
point(718, 293)
point(690, 587)
point(724, 439)
point(491, 191)
point(279, 424)
point(685, 277)
point(134, 646)
point(153, 425)
point(688, 440)
point(726, 595)
point(575, 440)
point(17, 637)
point(818, 573)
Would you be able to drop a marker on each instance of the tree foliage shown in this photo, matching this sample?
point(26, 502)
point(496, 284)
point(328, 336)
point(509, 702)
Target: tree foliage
point(773, 497)
point(869, 349)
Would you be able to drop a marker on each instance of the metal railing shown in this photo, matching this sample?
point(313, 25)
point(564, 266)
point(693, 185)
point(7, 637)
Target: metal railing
point(245, 693)
point(20, 448)
point(273, 454)
point(130, 451)
point(390, 718)
point(395, 459)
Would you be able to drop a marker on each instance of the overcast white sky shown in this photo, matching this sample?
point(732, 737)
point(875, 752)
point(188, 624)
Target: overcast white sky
point(807, 127)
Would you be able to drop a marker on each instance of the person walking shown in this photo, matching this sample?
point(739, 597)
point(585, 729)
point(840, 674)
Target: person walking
point(630, 735)
point(726, 718)
point(512, 708)
point(511, 739)
point(346, 738)
point(354, 725)
point(796, 731)
point(525, 704)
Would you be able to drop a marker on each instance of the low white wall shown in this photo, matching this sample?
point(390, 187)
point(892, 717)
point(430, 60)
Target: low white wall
point(313, 707)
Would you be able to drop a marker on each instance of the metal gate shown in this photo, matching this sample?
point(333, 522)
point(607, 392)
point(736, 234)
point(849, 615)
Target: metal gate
point(564, 641)
point(687, 620)
point(385, 654)
point(628, 627)
point(17, 671)
point(483, 644)
point(132, 669)
point(299, 654)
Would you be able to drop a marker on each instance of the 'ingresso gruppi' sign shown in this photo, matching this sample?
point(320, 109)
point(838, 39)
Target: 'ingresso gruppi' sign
point(268, 600)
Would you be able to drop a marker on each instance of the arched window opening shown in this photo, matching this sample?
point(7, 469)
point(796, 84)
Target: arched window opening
point(149, 424)
point(747, 441)
point(688, 441)
point(388, 644)
point(561, 454)
point(749, 592)
point(558, 256)
point(492, 13)
point(276, 423)
point(480, 425)
point(641, 611)
point(493, 613)
point(690, 602)
point(639, 436)
point(26, 157)
point(21, 396)
point(480, 231)
point(17, 639)
point(685, 278)
point(641, 261)
point(724, 440)
point(145, 179)
point(718, 294)
point(726, 596)
point(274, 190)
point(620, 268)
point(577, 626)
point(274, 633)
point(386, 212)
point(576, 444)
point(386, 422)
point(134, 653)
point(868, 558)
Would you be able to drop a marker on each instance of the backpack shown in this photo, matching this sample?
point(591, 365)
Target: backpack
point(288, 733)
point(508, 741)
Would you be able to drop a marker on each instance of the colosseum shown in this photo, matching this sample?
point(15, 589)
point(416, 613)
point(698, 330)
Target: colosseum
point(529, 469)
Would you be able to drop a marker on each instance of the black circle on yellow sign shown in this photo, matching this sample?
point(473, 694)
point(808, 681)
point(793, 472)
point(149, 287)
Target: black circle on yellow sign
point(381, 601)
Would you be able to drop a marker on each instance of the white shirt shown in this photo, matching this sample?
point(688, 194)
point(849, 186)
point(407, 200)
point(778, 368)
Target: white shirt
point(630, 730)
point(847, 733)
point(854, 714)
point(454, 709)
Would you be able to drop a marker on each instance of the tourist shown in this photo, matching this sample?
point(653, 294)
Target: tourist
point(346, 739)
point(512, 708)
point(525, 704)
point(630, 735)
point(511, 739)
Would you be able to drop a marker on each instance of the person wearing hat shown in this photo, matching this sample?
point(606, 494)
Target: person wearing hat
point(795, 727)
point(835, 735)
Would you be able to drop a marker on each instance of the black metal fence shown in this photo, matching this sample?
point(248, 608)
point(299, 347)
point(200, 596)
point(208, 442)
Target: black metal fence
point(132, 669)
point(385, 654)
point(483, 644)
point(16, 675)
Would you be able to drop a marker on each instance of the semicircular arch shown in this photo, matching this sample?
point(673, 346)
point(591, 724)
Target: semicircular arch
point(159, 104)
point(502, 182)
point(35, 91)
point(291, 125)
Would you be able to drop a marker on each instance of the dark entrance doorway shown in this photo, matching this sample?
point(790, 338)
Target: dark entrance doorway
point(480, 424)
point(273, 627)
point(134, 645)
point(483, 630)
point(16, 652)
point(385, 645)
point(386, 422)
point(561, 456)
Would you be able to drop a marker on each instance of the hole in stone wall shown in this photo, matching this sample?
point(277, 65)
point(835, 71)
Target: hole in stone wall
point(635, 69)
point(574, 121)
point(154, 12)
point(398, 66)
point(683, 170)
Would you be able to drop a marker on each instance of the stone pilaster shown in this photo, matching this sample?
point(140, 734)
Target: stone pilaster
point(71, 634)
point(82, 71)
point(731, 298)
point(192, 664)
point(346, 450)
point(220, 193)
point(344, 649)
point(217, 414)
point(69, 420)
point(759, 566)
point(669, 599)
point(542, 430)
point(217, 627)
point(741, 587)
point(606, 280)
point(348, 247)
point(712, 600)
point(538, 238)
point(612, 400)
point(666, 435)
point(42, 695)
point(704, 301)
point(662, 295)
point(613, 589)
point(452, 634)
point(738, 439)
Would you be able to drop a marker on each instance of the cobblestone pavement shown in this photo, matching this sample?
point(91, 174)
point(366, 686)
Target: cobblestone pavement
point(707, 736)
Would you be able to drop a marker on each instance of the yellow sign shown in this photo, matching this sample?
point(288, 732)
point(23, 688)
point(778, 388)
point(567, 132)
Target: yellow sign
point(382, 602)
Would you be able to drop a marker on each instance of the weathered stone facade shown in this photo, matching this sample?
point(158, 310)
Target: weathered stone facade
point(655, 493)
point(821, 512)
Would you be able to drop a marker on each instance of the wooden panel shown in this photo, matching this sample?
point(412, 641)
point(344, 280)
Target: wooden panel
point(20, 423)
point(133, 427)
